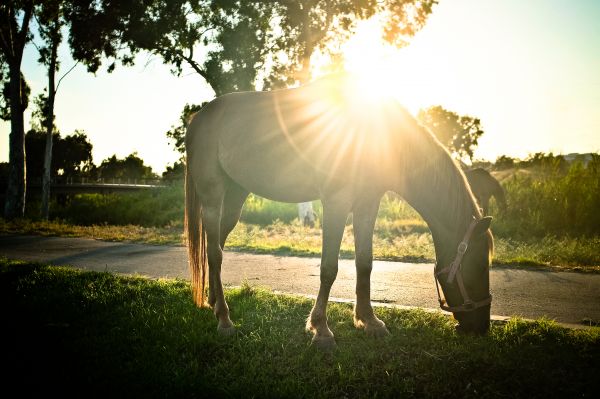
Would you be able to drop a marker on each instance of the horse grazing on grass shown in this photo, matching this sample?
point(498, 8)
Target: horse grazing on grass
point(485, 186)
point(354, 151)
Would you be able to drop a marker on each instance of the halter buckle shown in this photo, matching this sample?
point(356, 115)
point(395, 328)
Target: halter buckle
point(462, 247)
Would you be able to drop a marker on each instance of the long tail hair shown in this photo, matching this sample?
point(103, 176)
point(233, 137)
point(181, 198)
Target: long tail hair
point(196, 241)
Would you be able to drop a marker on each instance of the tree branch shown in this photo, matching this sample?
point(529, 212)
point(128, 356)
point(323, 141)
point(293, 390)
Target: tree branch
point(194, 65)
point(62, 77)
point(22, 35)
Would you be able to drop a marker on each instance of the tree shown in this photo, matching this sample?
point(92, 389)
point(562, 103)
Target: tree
point(5, 93)
point(177, 132)
point(15, 17)
point(50, 21)
point(72, 155)
point(131, 167)
point(97, 41)
point(175, 172)
point(459, 134)
point(35, 143)
point(504, 162)
point(310, 26)
point(177, 137)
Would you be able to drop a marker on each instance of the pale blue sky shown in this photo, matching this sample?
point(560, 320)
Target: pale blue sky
point(529, 69)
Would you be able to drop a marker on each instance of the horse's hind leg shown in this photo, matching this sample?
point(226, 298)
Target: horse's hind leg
point(334, 221)
point(235, 196)
point(234, 199)
point(364, 216)
point(211, 219)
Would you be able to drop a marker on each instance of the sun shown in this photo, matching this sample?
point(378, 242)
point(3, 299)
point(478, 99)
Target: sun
point(383, 71)
point(370, 60)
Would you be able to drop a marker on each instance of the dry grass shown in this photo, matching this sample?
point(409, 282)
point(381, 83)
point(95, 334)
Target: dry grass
point(400, 241)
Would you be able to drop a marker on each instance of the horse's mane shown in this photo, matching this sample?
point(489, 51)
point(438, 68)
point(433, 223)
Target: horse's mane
point(436, 179)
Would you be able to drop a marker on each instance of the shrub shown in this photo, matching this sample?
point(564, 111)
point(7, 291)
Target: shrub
point(553, 202)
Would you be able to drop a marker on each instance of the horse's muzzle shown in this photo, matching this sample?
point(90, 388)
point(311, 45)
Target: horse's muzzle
point(476, 322)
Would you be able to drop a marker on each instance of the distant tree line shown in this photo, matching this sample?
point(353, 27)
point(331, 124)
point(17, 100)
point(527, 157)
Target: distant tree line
point(72, 158)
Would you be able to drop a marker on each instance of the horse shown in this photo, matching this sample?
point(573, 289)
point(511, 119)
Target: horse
point(485, 186)
point(324, 142)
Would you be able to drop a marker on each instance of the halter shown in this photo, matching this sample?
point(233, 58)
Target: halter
point(453, 272)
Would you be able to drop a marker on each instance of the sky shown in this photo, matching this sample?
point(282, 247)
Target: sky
point(530, 70)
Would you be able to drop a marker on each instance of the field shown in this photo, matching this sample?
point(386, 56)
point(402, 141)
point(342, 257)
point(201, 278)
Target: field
point(90, 334)
point(551, 221)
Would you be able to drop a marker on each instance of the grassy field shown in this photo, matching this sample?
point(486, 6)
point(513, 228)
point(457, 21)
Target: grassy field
point(86, 334)
point(552, 220)
point(391, 242)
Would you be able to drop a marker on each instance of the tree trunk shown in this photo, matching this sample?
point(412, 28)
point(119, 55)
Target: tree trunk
point(12, 44)
point(47, 178)
point(14, 205)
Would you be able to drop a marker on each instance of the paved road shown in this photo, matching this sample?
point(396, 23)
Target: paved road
point(567, 297)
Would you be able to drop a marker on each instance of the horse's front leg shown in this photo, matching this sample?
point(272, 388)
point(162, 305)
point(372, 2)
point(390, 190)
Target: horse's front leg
point(334, 221)
point(364, 216)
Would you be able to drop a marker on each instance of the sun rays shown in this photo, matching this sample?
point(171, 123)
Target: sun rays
point(370, 62)
point(357, 110)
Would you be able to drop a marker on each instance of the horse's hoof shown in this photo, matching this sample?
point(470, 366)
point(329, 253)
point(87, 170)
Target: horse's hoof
point(377, 331)
point(324, 343)
point(226, 331)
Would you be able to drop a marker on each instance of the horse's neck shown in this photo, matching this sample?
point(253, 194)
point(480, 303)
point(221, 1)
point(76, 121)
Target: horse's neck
point(447, 207)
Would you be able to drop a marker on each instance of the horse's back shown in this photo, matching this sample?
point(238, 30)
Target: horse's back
point(292, 144)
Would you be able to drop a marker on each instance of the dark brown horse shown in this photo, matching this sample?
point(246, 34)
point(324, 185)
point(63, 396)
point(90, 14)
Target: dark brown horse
point(354, 151)
point(484, 187)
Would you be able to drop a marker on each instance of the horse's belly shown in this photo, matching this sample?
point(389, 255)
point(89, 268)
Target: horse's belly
point(279, 178)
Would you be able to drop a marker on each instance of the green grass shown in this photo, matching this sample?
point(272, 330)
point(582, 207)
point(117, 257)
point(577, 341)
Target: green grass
point(87, 334)
point(402, 241)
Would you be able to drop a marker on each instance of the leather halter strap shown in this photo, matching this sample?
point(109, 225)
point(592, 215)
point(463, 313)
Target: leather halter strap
point(452, 271)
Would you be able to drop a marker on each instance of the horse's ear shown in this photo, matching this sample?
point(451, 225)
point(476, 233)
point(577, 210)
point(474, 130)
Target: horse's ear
point(483, 225)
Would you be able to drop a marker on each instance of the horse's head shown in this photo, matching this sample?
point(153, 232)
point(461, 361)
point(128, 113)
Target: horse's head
point(465, 279)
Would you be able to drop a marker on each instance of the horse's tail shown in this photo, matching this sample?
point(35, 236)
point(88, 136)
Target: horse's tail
point(196, 240)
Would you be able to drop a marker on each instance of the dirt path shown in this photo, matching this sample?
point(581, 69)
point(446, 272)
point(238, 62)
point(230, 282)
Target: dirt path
point(567, 297)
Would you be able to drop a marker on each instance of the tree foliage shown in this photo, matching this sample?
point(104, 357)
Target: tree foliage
point(233, 44)
point(5, 92)
point(177, 132)
point(460, 134)
point(504, 162)
point(310, 26)
point(131, 167)
point(71, 155)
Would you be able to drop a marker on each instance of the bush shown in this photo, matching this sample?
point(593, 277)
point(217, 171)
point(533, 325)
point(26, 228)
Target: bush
point(553, 202)
point(548, 198)
point(157, 207)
